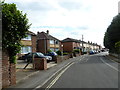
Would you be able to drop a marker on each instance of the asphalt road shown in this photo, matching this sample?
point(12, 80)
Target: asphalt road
point(92, 71)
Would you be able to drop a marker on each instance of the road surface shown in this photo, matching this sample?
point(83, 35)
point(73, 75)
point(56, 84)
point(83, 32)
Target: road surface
point(92, 71)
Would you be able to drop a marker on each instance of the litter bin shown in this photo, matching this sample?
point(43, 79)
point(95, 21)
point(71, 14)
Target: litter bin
point(40, 63)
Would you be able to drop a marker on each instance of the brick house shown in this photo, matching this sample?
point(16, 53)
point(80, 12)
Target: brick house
point(29, 44)
point(70, 44)
point(45, 42)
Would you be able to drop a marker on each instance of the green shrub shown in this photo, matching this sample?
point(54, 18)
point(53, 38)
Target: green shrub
point(76, 51)
point(65, 53)
point(85, 52)
point(59, 52)
point(48, 51)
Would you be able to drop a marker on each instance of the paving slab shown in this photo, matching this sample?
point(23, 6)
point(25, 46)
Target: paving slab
point(22, 74)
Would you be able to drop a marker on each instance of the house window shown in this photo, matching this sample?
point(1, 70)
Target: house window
point(56, 49)
point(27, 38)
point(26, 49)
point(51, 41)
point(56, 42)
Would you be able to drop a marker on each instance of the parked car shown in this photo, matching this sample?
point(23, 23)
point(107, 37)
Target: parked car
point(95, 52)
point(52, 54)
point(28, 57)
point(23, 57)
point(91, 52)
point(102, 50)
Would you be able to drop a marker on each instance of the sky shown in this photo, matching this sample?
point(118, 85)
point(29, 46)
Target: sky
point(70, 18)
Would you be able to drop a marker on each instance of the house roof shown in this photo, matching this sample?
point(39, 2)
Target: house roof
point(31, 33)
point(43, 35)
point(71, 40)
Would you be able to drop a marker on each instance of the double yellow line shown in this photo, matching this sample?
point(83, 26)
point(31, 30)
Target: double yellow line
point(55, 80)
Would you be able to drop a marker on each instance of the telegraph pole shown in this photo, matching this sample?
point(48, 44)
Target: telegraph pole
point(82, 44)
point(118, 7)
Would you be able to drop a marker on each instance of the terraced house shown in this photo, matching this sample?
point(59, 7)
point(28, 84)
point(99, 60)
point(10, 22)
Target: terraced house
point(45, 42)
point(69, 44)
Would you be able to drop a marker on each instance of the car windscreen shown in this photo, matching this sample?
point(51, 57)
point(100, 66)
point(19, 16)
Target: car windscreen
point(54, 53)
point(40, 54)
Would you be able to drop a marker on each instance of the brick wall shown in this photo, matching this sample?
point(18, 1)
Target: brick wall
point(12, 74)
point(8, 72)
point(48, 44)
point(0, 69)
point(59, 59)
point(40, 64)
point(5, 70)
point(41, 46)
point(68, 46)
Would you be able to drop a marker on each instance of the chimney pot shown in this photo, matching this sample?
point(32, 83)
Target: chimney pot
point(38, 32)
point(48, 32)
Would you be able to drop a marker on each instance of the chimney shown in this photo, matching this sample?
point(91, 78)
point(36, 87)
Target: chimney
point(48, 32)
point(38, 32)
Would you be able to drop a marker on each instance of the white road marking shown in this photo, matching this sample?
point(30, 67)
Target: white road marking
point(81, 58)
point(109, 65)
point(86, 60)
point(54, 81)
point(54, 74)
point(50, 77)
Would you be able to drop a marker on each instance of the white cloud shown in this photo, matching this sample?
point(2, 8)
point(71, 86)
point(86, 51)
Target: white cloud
point(70, 18)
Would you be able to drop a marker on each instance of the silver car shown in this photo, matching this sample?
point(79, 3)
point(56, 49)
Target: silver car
point(37, 55)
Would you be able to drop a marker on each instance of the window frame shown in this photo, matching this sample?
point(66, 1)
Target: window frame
point(51, 41)
point(26, 49)
point(29, 37)
point(56, 42)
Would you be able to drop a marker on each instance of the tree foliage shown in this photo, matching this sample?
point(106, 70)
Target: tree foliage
point(48, 51)
point(117, 46)
point(14, 27)
point(112, 35)
point(59, 52)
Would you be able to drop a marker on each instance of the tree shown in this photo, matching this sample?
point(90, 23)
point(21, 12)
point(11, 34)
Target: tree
point(117, 46)
point(112, 34)
point(14, 27)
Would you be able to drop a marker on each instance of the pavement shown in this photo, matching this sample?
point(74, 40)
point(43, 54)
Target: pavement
point(113, 58)
point(31, 79)
point(22, 74)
